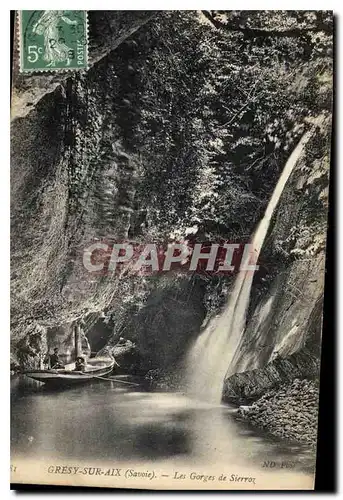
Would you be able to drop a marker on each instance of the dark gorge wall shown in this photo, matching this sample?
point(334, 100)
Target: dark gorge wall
point(144, 146)
point(76, 166)
point(67, 169)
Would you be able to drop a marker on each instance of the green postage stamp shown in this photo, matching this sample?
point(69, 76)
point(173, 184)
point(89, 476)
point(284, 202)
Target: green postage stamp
point(53, 40)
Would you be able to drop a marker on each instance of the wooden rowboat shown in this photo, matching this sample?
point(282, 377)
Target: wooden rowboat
point(96, 367)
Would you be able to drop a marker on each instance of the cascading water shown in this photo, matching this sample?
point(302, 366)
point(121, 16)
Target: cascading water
point(212, 356)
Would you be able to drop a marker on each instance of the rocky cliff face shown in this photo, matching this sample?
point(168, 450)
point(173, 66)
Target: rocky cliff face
point(248, 386)
point(281, 341)
point(139, 147)
point(75, 167)
point(64, 177)
point(289, 412)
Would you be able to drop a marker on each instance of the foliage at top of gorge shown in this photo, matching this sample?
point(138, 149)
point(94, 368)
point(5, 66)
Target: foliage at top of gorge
point(220, 114)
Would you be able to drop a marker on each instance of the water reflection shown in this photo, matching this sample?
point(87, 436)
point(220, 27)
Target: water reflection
point(107, 420)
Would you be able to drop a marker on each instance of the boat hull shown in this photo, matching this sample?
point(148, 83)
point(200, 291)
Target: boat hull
point(70, 377)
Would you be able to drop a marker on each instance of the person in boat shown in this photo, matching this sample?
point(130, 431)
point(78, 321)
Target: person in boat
point(80, 364)
point(55, 362)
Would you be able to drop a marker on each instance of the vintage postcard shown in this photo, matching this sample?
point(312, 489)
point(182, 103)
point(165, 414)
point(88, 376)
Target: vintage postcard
point(169, 200)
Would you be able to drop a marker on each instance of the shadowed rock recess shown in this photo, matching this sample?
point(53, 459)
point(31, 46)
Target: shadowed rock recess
point(183, 120)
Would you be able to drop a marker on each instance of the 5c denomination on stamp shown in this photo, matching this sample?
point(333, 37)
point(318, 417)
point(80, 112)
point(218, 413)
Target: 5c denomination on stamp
point(53, 40)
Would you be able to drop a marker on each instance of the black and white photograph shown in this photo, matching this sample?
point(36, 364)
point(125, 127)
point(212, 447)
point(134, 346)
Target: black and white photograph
point(169, 177)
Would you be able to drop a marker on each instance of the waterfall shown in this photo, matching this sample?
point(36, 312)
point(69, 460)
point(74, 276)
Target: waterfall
point(212, 356)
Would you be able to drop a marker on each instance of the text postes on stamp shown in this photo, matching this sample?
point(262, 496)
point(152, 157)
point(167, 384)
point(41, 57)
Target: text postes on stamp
point(52, 40)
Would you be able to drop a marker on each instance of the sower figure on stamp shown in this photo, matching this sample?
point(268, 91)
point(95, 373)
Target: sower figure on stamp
point(55, 48)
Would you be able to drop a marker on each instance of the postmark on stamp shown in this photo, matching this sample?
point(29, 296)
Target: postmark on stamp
point(53, 40)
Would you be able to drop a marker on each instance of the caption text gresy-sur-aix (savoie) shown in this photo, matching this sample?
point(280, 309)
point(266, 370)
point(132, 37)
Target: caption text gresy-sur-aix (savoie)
point(131, 473)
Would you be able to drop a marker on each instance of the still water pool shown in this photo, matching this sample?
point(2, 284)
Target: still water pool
point(117, 422)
